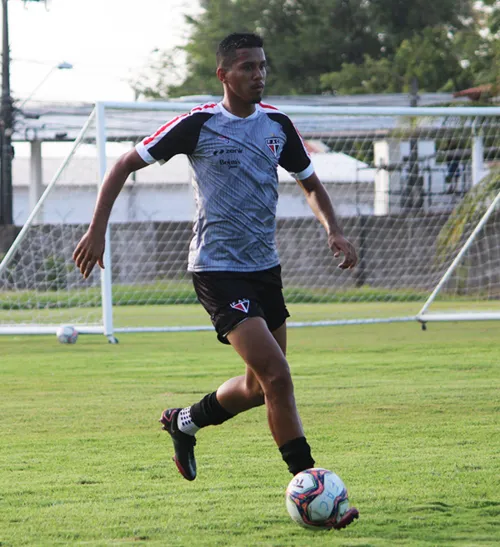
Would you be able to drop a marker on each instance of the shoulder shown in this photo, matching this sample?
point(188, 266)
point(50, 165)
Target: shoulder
point(269, 109)
point(275, 114)
point(188, 121)
point(198, 114)
point(207, 108)
point(179, 135)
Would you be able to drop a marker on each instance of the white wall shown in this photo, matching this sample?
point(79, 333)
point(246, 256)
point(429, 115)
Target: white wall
point(163, 192)
point(146, 202)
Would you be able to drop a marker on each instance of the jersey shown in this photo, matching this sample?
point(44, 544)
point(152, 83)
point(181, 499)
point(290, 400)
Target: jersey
point(234, 162)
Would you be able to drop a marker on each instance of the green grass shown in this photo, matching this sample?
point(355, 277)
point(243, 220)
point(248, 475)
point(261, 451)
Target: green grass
point(193, 314)
point(409, 419)
point(181, 291)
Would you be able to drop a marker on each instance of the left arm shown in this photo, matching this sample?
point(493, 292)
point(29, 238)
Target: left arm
point(295, 159)
point(319, 201)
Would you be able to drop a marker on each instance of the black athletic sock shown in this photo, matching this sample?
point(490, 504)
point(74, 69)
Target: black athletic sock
point(297, 455)
point(209, 411)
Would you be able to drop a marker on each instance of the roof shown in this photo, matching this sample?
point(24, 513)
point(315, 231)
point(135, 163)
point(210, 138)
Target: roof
point(331, 167)
point(63, 122)
point(475, 93)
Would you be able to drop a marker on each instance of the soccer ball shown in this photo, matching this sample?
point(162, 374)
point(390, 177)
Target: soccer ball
point(316, 498)
point(67, 334)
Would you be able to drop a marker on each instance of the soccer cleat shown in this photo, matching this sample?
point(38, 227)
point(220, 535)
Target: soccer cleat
point(183, 444)
point(350, 515)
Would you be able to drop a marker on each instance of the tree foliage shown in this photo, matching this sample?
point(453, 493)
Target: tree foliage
point(441, 58)
point(431, 57)
point(399, 20)
point(468, 213)
point(342, 46)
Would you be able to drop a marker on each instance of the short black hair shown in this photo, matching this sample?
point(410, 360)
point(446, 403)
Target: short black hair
point(226, 52)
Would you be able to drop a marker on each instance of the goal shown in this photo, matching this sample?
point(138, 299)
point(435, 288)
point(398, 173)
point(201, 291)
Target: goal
point(417, 190)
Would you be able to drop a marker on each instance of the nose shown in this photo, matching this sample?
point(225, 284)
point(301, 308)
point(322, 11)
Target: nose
point(259, 74)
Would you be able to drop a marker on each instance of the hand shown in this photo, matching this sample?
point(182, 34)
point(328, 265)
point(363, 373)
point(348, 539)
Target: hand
point(339, 244)
point(89, 252)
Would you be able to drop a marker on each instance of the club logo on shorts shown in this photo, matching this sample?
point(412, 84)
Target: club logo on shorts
point(241, 305)
point(274, 145)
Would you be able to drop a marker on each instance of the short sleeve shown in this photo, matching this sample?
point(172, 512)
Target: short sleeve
point(178, 136)
point(294, 156)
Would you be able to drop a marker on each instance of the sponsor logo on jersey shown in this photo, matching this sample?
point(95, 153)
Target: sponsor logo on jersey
point(232, 164)
point(241, 305)
point(274, 145)
point(228, 151)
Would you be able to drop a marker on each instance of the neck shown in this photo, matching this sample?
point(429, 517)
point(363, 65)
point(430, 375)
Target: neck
point(237, 107)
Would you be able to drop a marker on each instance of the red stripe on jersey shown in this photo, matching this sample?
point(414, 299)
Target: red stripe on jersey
point(162, 128)
point(204, 107)
point(264, 105)
point(176, 119)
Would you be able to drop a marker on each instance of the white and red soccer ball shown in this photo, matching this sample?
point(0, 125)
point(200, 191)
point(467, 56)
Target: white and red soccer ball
point(67, 334)
point(317, 498)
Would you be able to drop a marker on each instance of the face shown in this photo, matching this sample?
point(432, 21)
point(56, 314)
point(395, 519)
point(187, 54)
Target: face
point(247, 76)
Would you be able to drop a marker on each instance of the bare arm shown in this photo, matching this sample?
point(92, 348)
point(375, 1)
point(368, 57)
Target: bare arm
point(90, 249)
point(319, 201)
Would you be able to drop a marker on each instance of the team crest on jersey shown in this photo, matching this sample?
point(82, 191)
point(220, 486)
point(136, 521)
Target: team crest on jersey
point(274, 145)
point(241, 305)
point(223, 139)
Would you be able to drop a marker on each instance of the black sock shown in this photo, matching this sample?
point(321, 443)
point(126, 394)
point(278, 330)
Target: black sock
point(209, 411)
point(297, 455)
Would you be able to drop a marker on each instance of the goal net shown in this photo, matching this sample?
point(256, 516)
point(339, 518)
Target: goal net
point(415, 189)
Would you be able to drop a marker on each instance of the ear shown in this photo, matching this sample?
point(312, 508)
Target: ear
point(221, 74)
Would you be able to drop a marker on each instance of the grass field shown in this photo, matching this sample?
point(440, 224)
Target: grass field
point(409, 420)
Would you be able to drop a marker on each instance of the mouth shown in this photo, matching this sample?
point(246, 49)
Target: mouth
point(258, 87)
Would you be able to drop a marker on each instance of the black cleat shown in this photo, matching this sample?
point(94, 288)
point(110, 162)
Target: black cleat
point(183, 444)
point(347, 518)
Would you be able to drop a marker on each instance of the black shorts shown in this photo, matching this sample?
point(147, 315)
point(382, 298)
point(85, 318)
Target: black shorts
point(232, 297)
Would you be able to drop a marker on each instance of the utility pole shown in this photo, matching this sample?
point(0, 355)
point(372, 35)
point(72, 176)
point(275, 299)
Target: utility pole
point(6, 127)
point(413, 198)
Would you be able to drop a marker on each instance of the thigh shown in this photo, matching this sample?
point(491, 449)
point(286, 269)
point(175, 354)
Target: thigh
point(259, 349)
point(280, 337)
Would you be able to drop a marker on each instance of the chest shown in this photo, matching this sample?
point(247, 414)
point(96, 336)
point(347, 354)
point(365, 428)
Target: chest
point(232, 144)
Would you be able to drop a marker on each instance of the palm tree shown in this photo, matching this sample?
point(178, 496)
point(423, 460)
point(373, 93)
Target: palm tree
point(467, 213)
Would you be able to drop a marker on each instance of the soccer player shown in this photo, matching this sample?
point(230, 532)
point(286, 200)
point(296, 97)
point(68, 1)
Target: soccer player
point(234, 148)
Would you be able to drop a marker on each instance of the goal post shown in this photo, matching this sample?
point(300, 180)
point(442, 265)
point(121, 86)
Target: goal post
point(425, 317)
point(416, 190)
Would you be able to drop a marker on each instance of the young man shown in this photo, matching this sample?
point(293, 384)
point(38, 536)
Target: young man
point(234, 148)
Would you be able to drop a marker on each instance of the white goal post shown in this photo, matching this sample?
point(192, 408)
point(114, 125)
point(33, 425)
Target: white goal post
point(417, 190)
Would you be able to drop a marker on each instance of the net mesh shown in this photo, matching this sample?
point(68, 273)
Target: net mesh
point(408, 192)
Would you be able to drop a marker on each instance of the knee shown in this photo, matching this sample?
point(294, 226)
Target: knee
point(277, 383)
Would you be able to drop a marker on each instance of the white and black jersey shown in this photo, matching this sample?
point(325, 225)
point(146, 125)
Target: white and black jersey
point(234, 161)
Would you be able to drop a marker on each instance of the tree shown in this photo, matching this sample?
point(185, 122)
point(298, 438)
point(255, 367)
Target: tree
point(399, 20)
point(468, 213)
point(373, 76)
point(304, 38)
point(429, 57)
point(307, 38)
point(163, 71)
point(441, 58)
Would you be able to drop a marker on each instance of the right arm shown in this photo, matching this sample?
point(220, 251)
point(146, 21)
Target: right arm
point(178, 136)
point(90, 249)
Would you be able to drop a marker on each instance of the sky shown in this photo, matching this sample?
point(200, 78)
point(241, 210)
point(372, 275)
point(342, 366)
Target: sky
point(107, 42)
